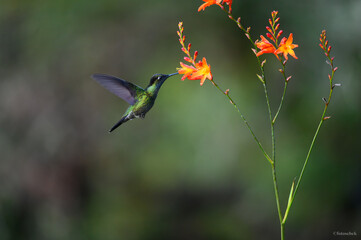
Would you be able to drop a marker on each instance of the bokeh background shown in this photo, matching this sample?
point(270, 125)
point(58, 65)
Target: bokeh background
point(190, 169)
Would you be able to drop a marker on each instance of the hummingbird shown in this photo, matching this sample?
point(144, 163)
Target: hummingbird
point(140, 100)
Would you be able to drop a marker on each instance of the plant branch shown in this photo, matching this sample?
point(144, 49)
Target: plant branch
point(323, 118)
point(245, 121)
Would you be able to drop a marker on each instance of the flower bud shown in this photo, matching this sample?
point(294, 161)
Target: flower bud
point(263, 62)
point(277, 26)
point(195, 55)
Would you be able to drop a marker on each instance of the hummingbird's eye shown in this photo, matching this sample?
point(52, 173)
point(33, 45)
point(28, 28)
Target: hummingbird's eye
point(159, 77)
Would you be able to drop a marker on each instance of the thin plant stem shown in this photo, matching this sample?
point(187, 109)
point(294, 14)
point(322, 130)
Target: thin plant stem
point(273, 165)
point(284, 91)
point(281, 102)
point(275, 185)
point(308, 155)
point(263, 79)
point(323, 118)
point(245, 121)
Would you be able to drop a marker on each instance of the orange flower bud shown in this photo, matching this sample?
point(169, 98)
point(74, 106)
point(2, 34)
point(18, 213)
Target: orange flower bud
point(195, 55)
point(277, 26)
point(269, 29)
point(187, 59)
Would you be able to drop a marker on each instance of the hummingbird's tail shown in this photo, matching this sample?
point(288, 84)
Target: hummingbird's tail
point(121, 121)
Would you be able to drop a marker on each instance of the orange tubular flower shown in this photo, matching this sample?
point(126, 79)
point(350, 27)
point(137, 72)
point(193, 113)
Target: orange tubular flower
point(203, 72)
point(186, 70)
point(209, 3)
point(198, 71)
point(229, 3)
point(286, 47)
point(265, 46)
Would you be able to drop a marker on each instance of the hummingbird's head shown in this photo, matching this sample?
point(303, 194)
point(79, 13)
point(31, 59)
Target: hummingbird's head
point(158, 79)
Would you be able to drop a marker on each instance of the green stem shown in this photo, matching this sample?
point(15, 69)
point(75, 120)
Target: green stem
point(245, 121)
point(308, 154)
point(273, 165)
point(280, 106)
point(313, 139)
point(230, 16)
point(275, 185)
point(272, 121)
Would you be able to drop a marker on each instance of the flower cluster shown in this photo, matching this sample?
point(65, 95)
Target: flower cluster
point(285, 46)
point(327, 49)
point(198, 70)
point(324, 43)
point(217, 2)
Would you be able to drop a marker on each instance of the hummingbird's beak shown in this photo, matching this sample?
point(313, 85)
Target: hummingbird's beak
point(172, 74)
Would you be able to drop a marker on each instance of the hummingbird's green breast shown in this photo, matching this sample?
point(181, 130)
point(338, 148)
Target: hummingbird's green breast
point(144, 103)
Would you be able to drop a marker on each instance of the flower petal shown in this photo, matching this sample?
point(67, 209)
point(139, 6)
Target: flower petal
point(209, 3)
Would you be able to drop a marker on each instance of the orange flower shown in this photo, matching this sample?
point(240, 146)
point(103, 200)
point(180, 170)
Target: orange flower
point(209, 3)
point(229, 3)
point(203, 72)
point(265, 46)
point(198, 71)
point(286, 47)
point(186, 70)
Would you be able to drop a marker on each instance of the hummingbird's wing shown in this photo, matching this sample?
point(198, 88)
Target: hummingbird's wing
point(119, 87)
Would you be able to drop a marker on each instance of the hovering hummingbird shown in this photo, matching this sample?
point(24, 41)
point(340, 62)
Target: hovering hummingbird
point(140, 100)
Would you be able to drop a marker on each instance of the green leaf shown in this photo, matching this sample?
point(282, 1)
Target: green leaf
point(290, 197)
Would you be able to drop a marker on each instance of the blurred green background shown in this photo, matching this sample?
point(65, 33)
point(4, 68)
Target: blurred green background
point(190, 169)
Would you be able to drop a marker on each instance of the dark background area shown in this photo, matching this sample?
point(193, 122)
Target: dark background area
point(190, 169)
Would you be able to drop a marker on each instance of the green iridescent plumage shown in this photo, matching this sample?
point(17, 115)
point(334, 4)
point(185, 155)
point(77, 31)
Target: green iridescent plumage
point(140, 100)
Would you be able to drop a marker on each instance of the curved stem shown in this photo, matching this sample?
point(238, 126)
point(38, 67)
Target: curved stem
point(284, 88)
point(245, 121)
point(280, 106)
point(323, 118)
point(272, 121)
point(308, 154)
